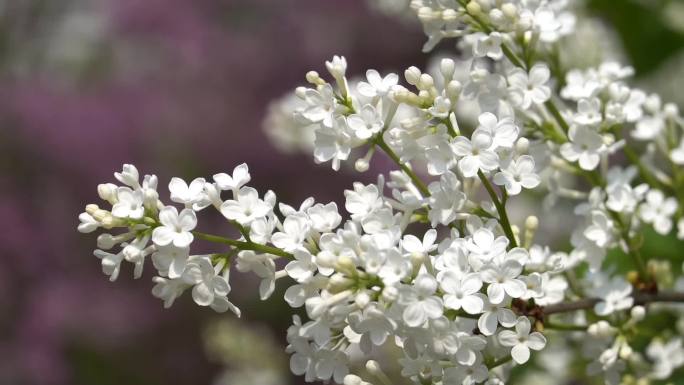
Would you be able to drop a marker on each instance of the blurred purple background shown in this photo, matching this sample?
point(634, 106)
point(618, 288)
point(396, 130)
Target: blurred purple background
point(178, 88)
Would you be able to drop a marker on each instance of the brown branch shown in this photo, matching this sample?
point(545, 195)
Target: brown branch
point(588, 303)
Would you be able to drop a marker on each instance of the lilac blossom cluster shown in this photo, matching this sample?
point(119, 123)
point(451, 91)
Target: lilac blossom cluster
point(473, 293)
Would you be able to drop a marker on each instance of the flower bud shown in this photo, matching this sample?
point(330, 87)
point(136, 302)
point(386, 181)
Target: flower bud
point(325, 260)
point(412, 75)
point(338, 283)
point(449, 15)
point(92, 209)
point(100, 215)
point(300, 92)
point(510, 10)
point(600, 329)
point(110, 222)
point(484, 5)
point(132, 253)
point(524, 24)
point(447, 67)
point(351, 379)
point(107, 192)
point(426, 15)
point(390, 293)
point(337, 67)
point(106, 241)
point(346, 266)
point(453, 89)
point(361, 165)
point(362, 299)
point(625, 351)
point(522, 146)
point(473, 8)
point(638, 313)
point(425, 82)
point(671, 111)
point(128, 176)
point(496, 16)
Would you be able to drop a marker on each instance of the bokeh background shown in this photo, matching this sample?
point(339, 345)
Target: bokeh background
point(180, 88)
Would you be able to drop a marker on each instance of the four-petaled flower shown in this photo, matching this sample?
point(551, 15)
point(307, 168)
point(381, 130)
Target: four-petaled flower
point(522, 340)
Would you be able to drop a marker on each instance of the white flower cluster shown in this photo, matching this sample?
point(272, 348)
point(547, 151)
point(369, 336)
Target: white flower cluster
point(472, 293)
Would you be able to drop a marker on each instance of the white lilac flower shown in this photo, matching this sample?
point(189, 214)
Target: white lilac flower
point(296, 229)
point(588, 112)
point(363, 200)
point(171, 260)
point(395, 268)
point(377, 85)
point(186, 194)
point(320, 105)
point(658, 211)
point(324, 218)
point(677, 154)
point(522, 340)
point(337, 66)
point(129, 203)
point(246, 207)
point(441, 107)
point(421, 302)
point(209, 288)
point(302, 268)
point(366, 122)
point(553, 290)
point(615, 295)
point(417, 249)
point(88, 223)
point(234, 182)
point(489, 46)
point(129, 176)
point(461, 292)
point(601, 230)
point(503, 130)
point(262, 266)
point(502, 280)
point(176, 228)
point(111, 263)
point(169, 289)
point(666, 357)
point(135, 253)
point(373, 325)
point(446, 199)
point(585, 146)
point(518, 173)
point(484, 246)
point(334, 143)
point(525, 89)
point(494, 315)
point(475, 154)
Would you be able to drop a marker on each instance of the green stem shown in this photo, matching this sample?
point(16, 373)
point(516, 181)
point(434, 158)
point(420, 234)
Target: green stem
point(500, 208)
point(643, 171)
point(631, 249)
point(557, 115)
point(575, 286)
point(499, 362)
point(414, 178)
point(242, 245)
point(451, 314)
point(511, 56)
point(450, 127)
point(241, 229)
